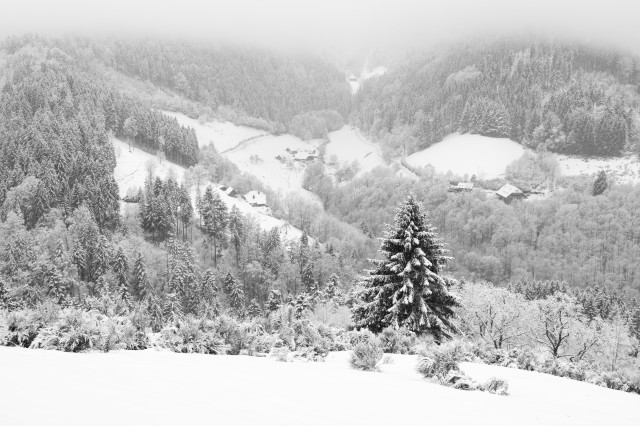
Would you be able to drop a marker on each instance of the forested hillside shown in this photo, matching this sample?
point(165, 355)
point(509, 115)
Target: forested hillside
point(260, 83)
point(54, 125)
point(565, 97)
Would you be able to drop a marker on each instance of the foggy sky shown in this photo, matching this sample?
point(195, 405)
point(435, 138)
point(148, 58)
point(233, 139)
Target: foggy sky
point(326, 24)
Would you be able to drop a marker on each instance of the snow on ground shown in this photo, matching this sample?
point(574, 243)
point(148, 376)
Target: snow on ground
point(133, 164)
point(132, 169)
point(255, 152)
point(625, 169)
point(366, 74)
point(348, 145)
point(164, 388)
point(469, 154)
point(224, 134)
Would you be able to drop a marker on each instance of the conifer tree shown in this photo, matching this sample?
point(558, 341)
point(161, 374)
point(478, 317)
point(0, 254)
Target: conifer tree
point(4, 296)
point(274, 300)
point(332, 288)
point(209, 289)
point(236, 296)
point(308, 282)
point(141, 285)
point(254, 309)
point(215, 219)
point(406, 289)
point(120, 268)
point(172, 309)
point(301, 306)
point(236, 228)
point(600, 184)
point(228, 283)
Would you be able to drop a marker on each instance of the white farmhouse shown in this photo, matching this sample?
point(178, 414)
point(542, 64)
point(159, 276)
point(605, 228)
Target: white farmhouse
point(256, 198)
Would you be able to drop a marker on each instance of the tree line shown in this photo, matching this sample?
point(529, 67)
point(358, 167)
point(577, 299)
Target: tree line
point(560, 96)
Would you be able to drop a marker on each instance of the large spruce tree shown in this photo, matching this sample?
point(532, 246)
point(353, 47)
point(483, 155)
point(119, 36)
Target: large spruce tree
point(406, 288)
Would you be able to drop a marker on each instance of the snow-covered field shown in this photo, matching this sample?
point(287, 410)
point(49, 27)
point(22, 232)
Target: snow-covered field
point(348, 145)
point(133, 166)
point(255, 152)
point(224, 134)
point(469, 154)
point(132, 169)
point(164, 388)
point(258, 157)
point(624, 169)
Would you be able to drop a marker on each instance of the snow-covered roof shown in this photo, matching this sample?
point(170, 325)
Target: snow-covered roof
point(256, 198)
point(228, 190)
point(465, 185)
point(305, 155)
point(508, 190)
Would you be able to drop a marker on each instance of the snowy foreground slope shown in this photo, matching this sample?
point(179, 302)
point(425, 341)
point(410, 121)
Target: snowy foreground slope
point(164, 388)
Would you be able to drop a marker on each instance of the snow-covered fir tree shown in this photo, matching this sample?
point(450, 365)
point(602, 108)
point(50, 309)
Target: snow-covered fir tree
point(236, 295)
point(120, 268)
point(4, 296)
point(140, 281)
point(274, 300)
point(254, 310)
point(332, 288)
point(406, 288)
point(302, 305)
point(600, 184)
point(209, 292)
point(215, 218)
point(236, 228)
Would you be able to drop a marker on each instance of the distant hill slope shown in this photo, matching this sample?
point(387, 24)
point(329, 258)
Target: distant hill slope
point(260, 83)
point(565, 97)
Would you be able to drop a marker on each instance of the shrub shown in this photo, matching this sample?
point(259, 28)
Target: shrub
point(191, 335)
point(366, 355)
point(436, 361)
point(280, 354)
point(360, 336)
point(234, 335)
point(75, 331)
point(307, 336)
point(497, 386)
point(263, 343)
point(400, 341)
point(23, 326)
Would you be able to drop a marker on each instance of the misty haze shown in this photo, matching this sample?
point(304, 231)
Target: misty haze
point(319, 212)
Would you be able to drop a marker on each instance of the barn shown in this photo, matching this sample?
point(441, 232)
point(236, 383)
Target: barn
point(509, 193)
point(230, 191)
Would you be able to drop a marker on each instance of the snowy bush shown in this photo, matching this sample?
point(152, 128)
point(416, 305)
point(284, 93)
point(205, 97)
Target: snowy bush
point(4, 326)
point(495, 385)
point(309, 337)
point(366, 355)
point(234, 334)
point(397, 341)
point(192, 336)
point(23, 326)
point(356, 337)
point(74, 331)
point(436, 361)
point(263, 343)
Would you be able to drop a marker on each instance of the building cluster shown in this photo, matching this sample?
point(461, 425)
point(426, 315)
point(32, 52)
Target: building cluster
point(256, 199)
point(507, 193)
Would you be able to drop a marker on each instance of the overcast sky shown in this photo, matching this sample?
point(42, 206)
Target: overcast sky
point(325, 24)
